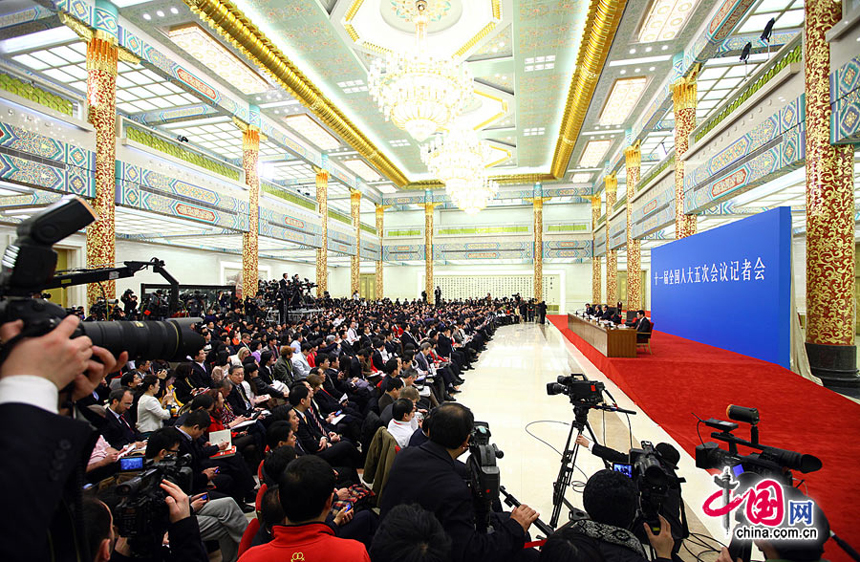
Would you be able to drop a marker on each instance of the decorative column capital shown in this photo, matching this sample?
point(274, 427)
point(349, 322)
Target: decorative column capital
point(633, 156)
point(380, 209)
point(251, 139)
point(611, 183)
point(596, 202)
point(322, 175)
point(684, 93)
point(428, 207)
point(354, 195)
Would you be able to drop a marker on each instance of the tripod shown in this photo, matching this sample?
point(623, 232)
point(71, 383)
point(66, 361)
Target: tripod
point(568, 461)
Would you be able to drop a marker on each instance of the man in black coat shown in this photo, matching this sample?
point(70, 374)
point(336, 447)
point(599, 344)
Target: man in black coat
point(45, 453)
point(431, 476)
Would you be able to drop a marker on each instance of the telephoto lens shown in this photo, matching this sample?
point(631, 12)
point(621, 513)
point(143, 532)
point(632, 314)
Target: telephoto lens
point(171, 340)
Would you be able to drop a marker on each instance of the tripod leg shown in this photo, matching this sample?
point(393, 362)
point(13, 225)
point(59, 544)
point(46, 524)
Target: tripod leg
point(565, 473)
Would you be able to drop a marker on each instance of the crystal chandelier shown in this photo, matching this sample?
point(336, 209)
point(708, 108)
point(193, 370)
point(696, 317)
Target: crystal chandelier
point(475, 199)
point(459, 161)
point(417, 92)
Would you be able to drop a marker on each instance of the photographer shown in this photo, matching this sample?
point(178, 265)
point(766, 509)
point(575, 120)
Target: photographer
point(183, 533)
point(611, 500)
point(45, 453)
point(431, 476)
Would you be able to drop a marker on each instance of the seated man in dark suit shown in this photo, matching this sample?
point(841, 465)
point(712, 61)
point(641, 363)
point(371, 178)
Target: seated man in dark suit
point(430, 476)
point(116, 429)
point(643, 326)
point(313, 436)
point(607, 313)
point(229, 475)
point(615, 317)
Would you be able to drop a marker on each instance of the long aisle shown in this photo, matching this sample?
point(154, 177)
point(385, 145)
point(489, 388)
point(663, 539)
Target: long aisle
point(507, 389)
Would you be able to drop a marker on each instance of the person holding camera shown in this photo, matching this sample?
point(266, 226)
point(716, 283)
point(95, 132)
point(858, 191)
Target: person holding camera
point(44, 450)
point(218, 518)
point(431, 476)
point(611, 501)
point(671, 506)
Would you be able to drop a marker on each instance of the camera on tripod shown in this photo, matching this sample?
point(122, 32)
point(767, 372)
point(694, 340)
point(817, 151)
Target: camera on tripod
point(770, 461)
point(578, 388)
point(143, 516)
point(28, 266)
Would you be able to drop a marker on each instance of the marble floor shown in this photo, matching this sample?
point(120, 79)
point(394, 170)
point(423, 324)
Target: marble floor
point(507, 389)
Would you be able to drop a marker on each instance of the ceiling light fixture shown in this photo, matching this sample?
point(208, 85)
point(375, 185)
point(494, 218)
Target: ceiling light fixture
point(417, 92)
point(192, 39)
point(594, 152)
point(622, 100)
point(459, 160)
point(364, 171)
point(312, 131)
point(665, 19)
point(640, 60)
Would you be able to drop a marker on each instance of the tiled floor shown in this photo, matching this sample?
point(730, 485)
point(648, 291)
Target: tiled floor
point(508, 390)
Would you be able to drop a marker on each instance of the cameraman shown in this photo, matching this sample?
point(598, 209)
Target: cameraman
point(611, 500)
point(672, 505)
point(45, 453)
point(431, 476)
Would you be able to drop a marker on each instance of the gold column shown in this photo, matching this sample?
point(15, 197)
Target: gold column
point(322, 253)
point(537, 204)
point(632, 159)
point(101, 98)
point(595, 259)
point(830, 308)
point(355, 264)
point(380, 224)
point(428, 251)
point(684, 99)
point(611, 255)
point(250, 239)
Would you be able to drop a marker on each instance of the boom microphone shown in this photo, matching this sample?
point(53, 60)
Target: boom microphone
point(742, 414)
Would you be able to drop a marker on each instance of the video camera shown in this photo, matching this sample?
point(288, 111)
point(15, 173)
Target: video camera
point(770, 461)
point(142, 515)
point(483, 471)
point(648, 470)
point(28, 266)
point(578, 388)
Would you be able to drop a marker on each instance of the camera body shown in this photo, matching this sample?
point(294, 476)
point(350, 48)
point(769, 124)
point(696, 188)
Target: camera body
point(142, 515)
point(652, 480)
point(484, 474)
point(577, 388)
point(771, 462)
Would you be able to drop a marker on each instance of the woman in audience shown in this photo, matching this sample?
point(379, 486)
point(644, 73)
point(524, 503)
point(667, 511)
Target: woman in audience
point(151, 413)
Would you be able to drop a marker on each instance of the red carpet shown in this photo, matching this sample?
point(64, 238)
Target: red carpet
point(683, 376)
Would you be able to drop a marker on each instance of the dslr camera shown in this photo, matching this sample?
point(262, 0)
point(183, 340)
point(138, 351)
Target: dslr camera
point(28, 267)
point(142, 516)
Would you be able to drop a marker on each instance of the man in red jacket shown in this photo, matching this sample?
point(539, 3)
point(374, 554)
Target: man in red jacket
point(307, 490)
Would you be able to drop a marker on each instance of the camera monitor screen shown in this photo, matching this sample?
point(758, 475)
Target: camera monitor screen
point(131, 463)
point(625, 469)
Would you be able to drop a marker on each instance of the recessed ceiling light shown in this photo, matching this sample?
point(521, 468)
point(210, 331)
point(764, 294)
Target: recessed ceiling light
point(192, 39)
point(647, 49)
point(623, 72)
point(637, 70)
point(640, 60)
point(651, 68)
point(665, 19)
point(147, 17)
point(159, 13)
point(622, 100)
point(632, 51)
point(594, 152)
point(664, 47)
point(174, 11)
point(312, 131)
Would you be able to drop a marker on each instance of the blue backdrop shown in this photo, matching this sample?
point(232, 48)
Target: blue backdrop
point(729, 287)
